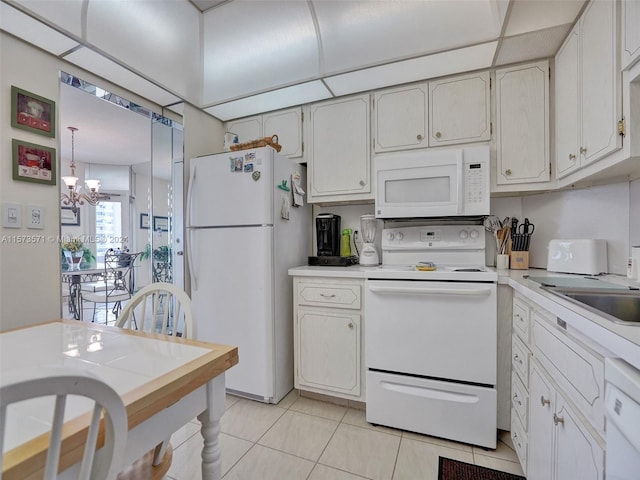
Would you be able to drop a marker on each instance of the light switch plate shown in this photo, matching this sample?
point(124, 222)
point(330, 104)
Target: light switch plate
point(35, 216)
point(11, 215)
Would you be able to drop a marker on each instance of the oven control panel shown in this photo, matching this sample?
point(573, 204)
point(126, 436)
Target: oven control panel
point(434, 237)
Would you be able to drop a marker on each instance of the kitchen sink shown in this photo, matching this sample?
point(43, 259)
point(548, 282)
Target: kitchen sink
point(620, 306)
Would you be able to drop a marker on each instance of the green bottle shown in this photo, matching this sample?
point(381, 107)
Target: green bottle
point(345, 243)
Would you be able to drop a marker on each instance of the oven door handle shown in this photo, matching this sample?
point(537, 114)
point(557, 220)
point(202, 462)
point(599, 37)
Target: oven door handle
point(430, 290)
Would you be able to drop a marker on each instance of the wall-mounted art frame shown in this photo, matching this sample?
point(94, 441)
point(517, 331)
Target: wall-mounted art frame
point(144, 221)
point(160, 224)
point(68, 217)
point(33, 163)
point(32, 112)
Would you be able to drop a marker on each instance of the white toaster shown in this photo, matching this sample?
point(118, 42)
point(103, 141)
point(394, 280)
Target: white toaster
point(584, 256)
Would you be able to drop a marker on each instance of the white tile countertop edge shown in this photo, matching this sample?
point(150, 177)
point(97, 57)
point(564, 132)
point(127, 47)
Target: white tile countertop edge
point(352, 271)
point(620, 340)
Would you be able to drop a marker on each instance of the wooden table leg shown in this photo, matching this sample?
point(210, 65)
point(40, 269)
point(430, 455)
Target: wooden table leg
point(210, 420)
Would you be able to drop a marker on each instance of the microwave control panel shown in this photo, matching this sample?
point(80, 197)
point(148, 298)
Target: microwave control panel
point(476, 188)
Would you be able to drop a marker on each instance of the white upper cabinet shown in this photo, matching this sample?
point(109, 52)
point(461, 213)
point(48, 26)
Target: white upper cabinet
point(459, 110)
point(400, 118)
point(522, 117)
point(338, 152)
point(286, 124)
point(630, 32)
point(587, 96)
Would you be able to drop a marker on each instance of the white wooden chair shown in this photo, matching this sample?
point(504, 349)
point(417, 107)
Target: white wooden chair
point(170, 314)
point(104, 464)
point(159, 308)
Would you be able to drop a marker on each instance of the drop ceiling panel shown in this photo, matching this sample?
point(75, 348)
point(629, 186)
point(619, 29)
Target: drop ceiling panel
point(365, 33)
point(65, 14)
point(430, 66)
point(32, 31)
point(251, 47)
point(531, 15)
point(532, 46)
point(160, 39)
point(103, 67)
point(275, 100)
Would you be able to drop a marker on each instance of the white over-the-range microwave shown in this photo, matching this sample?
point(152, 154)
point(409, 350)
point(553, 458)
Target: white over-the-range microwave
point(433, 183)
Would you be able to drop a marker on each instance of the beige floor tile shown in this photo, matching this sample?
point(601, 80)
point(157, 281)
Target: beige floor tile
point(502, 451)
point(499, 464)
point(318, 408)
point(249, 420)
point(443, 442)
point(266, 464)
point(505, 437)
point(362, 451)
point(358, 418)
point(187, 458)
point(288, 400)
point(419, 460)
point(322, 472)
point(230, 401)
point(184, 433)
point(300, 434)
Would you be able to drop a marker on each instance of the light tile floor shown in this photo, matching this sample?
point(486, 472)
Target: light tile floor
point(308, 439)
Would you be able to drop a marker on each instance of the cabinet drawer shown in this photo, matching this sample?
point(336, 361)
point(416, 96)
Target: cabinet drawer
point(520, 357)
point(329, 295)
point(521, 318)
point(519, 399)
point(578, 370)
point(520, 440)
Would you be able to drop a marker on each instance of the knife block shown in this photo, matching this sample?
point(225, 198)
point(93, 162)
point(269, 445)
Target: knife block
point(519, 260)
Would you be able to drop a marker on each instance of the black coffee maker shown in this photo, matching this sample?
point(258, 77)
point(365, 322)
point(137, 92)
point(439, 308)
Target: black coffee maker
point(328, 234)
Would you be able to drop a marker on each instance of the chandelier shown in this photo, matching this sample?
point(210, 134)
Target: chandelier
point(74, 197)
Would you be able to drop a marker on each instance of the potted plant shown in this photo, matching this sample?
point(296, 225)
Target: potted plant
point(74, 252)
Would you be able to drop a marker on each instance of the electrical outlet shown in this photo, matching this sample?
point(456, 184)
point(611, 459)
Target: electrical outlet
point(11, 215)
point(35, 216)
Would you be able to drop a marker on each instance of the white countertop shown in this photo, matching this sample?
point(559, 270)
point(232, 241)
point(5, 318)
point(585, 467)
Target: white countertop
point(620, 340)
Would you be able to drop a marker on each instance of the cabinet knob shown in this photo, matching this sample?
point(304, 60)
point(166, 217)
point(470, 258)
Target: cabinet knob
point(350, 326)
point(583, 150)
point(572, 157)
point(438, 134)
point(544, 401)
point(419, 137)
point(362, 183)
point(517, 358)
point(516, 399)
point(557, 419)
point(507, 172)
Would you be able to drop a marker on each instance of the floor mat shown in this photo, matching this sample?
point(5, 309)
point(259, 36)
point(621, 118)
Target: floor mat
point(454, 470)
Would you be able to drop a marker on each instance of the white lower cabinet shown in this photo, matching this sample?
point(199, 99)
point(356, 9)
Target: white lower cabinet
point(328, 336)
point(561, 447)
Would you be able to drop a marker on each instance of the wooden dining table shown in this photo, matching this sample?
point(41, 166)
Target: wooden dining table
point(165, 382)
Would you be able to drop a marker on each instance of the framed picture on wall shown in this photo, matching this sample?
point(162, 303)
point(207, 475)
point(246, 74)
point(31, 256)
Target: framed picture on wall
point(161, 224)
point(68, 217)
point(144, 221)
point(32, 112)
point(33, 163)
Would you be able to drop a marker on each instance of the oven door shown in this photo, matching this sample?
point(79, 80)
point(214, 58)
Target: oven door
point(441, 330)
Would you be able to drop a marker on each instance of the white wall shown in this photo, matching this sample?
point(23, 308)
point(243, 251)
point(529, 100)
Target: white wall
point(608, 212)
point(349, 218)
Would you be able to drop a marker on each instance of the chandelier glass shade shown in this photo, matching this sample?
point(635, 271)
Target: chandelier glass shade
point(73, 197)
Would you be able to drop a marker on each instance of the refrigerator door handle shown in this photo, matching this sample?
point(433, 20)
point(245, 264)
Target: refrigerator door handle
point(192, 180)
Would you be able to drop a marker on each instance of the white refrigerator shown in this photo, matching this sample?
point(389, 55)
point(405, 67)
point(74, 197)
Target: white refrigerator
point(239, 249)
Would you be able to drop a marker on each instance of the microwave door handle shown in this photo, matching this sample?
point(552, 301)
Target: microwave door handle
point(460, 183)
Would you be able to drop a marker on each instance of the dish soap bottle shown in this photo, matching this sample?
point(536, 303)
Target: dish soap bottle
point(345, 243)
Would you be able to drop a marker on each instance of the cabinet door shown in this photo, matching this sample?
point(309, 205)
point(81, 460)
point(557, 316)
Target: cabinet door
point(567, 96)
point(541, 408)
point(459, 110)
point(287, 124)
point(574, 442)
point(600, 74)
point(338, 153)
point(400, 118)
point(328, 350)
point(522, 138)
point(247, 129)
point(630, 33)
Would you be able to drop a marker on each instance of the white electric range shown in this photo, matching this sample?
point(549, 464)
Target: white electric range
point(431, 335)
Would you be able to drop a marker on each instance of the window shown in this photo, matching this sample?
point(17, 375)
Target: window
point(108, 227)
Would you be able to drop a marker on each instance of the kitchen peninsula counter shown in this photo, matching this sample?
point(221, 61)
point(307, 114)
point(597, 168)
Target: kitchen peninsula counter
point(620, 340)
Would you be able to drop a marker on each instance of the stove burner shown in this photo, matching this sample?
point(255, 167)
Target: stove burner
point(467, 270)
